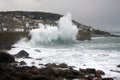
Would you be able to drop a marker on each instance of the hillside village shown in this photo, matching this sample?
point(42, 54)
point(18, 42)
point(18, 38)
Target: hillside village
point(20, 21)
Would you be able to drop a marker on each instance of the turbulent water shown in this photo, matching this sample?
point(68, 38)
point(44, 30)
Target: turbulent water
point(61, 47)
point(64, 32)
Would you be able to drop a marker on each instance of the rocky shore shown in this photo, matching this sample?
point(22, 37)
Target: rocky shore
point(13, 70)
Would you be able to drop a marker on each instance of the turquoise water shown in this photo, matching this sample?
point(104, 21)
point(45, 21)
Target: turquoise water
point(108, 43)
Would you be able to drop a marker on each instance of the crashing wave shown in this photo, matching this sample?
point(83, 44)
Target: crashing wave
point(65, 31)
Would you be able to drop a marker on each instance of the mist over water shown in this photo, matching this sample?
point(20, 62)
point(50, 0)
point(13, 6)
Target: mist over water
point(44, 35)
point(65, 32)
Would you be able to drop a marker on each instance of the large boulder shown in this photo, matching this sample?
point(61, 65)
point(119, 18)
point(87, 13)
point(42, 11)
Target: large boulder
point(22, 63)
point(6, 57)
point(67, 73)
point(84, 34)
point(62, 65)
point(118, 65)
point(22, 54)
point(99, 72)
point(49, 71)
point(88, 71)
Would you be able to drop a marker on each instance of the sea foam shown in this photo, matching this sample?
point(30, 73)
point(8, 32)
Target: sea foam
point(65, 31)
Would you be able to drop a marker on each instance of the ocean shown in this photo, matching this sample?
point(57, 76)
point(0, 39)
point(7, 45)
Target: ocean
point(58, 45)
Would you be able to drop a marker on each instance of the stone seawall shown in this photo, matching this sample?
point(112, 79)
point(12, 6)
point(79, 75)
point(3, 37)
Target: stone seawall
point(9, 38)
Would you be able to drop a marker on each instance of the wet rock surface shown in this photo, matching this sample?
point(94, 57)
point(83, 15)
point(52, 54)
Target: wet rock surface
point(107, 79)
point(118, 65)
point(22, 54)
point(51, 71)
point(14, 72)
point(6, 58)
point(22, 63)
point(62, 65)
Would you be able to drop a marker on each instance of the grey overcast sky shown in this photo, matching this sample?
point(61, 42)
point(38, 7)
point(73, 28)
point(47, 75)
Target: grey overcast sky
point(101, 14)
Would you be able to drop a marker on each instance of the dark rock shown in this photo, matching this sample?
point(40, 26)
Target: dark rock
point(10, 78)
point(22, 54)
point(107, 79)
point(118, 65)
point(23, 75)
point(41, 64)
point(23, 68)
point(99, 72)
point(98, 78)
point(73, 74)
point(8, 47)
point(48, 71)
point(82, 74)
point(62, 65)
point(71, 68)
point(82, 79)
point(6, 69)
point(6, 57)
point(53, 65)
point(14, 72)
point(70, 73)
point(37, 50)
point(88, 71)
point(84, 35)
point(39, 77)
point(32, 62)
point(42, 77)
point(90, 77)
point(29, 37)
point(5, 47)
point(59, 78)
point(38, 59)
point(84, 64)
point(23, 63)
point(115, 35)
point(34, 71)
